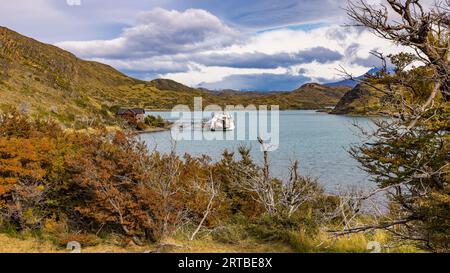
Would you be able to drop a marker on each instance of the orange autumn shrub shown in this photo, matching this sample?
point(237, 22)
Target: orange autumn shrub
point(22, 159)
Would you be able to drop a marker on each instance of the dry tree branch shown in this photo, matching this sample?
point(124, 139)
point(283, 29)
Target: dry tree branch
point(213, 190)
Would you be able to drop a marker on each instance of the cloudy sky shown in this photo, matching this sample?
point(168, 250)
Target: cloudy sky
point(245, 45)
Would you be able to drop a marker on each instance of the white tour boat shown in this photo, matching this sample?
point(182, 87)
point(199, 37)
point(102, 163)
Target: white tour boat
point(222, 122)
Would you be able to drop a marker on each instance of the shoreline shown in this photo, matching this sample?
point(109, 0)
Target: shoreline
point(319, 110)
point(151, 130)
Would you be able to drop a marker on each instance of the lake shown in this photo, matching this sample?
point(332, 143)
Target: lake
point(320, 142)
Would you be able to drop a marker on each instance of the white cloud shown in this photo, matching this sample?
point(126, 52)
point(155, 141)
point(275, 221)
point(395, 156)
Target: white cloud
point(206, 74)
point(159, 32)
point(157, 64)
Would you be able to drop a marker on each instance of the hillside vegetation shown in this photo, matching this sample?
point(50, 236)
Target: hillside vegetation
point(361, 100)
point(44, 80)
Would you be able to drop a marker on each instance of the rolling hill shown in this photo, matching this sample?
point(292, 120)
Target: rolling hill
point(364, 99)
point(45, 80)
point(361, 100)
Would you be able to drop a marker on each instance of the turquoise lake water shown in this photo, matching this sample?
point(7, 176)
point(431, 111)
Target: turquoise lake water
point(318, 140)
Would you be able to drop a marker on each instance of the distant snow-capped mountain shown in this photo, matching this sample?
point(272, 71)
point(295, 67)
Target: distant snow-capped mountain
point(353, 83)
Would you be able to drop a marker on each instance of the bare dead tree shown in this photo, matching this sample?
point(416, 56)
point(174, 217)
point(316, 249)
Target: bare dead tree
point(350, 206)
point(278, 196)
point(424, 30)
point(354, 202)
point(262, 184)
point(298, 190)
point(212, 189)
point(164, 182)
point(25, 196)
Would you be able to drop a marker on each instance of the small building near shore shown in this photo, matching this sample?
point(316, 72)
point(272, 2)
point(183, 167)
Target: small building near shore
point(134, 114)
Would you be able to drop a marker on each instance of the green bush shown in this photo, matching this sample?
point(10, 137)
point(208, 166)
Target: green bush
point(269, 229)
point(232, 232)
point(84, 239)
point(157, 121)
point(141, 126)
point(114, 109)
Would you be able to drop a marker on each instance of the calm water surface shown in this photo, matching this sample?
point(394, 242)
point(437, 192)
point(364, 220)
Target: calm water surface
point(318, 140)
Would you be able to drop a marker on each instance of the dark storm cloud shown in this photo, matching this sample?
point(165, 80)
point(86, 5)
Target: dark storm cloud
point(370, 61)
point(267, 61)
